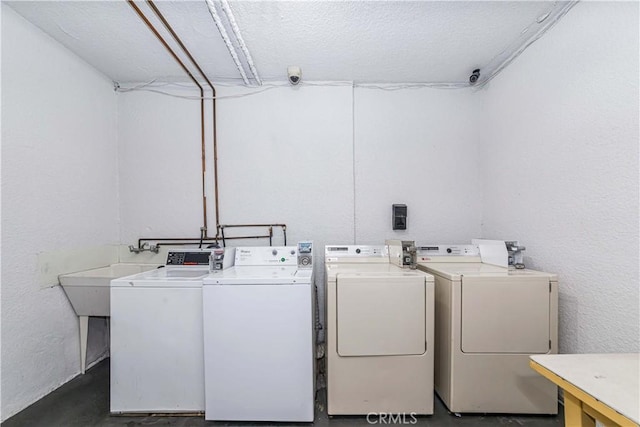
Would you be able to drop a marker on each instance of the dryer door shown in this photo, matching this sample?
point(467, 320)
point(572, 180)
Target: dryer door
point(380, 314)
point(505, 314)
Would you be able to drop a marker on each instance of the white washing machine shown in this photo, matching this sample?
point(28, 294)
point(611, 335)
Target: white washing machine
point(259, 336)
point(157, 363)
point(489, 319)
point(379, 338)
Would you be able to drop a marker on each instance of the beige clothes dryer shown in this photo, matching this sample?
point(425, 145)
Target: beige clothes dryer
point(380, 339)
point(489, 320)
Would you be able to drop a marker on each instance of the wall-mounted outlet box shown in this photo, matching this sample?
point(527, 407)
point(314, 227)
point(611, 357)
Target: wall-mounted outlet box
point(399, 217)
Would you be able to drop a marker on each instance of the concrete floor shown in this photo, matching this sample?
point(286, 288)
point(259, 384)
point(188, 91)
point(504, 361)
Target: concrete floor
point(84, 402)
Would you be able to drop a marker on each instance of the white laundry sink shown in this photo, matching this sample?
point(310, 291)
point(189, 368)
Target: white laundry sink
point(88, 290)
point(89, 294)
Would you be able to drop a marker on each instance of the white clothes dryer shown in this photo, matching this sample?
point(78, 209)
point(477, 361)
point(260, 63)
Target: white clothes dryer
point(379, 338)
point(259, 336)
point(489, 320)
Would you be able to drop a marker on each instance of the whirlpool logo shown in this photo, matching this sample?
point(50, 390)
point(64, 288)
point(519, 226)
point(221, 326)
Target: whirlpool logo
point(390, 418)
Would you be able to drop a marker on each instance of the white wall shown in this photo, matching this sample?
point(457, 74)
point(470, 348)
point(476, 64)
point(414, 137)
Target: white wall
point(418, 147)
point(287, 156)
point(159, 166)
point(560, 169)
point(59, 192)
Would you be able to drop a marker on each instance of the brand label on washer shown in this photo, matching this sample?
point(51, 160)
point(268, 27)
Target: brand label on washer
point(270, 255)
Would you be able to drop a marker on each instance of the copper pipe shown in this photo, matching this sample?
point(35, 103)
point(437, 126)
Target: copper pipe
point(173, 54)
point(270, 236)
point(177, 39)
point(213, 92)
point(215, 162)
point(252, 225)
point(246, 237)
point(219, 227)
point(204, 194)
point(164, 43)
point(165, 240)
point(177, 241)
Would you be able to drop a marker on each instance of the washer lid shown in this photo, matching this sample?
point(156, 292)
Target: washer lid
point(259, 275)
point(164, 277)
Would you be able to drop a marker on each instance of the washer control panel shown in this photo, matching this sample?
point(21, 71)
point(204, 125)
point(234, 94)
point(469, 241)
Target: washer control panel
point(267, 255)
point(189, 257)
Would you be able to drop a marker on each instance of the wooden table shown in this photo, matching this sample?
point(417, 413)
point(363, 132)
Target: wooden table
point(603, 387)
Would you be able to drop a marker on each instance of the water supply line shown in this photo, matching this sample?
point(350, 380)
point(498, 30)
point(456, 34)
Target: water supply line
point(186, 70)
point(156, 242)
point(177, 39)
point(145, 244)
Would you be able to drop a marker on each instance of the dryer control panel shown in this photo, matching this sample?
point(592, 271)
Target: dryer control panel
point(448, 250)
point(356, 253)
point(448, 253)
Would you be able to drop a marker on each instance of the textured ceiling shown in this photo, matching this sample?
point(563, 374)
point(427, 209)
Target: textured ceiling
point(360, 41)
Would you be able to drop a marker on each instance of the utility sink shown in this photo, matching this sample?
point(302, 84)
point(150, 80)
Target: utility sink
point(88, 290)
point(89, 294)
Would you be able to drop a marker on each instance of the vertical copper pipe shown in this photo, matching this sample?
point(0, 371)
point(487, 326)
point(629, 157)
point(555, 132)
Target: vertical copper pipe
point(173, 54)
point(219, 227)
point(215, 139)
point(215, 163)
point(203, 156)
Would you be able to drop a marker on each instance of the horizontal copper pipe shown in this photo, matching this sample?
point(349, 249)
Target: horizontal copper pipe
point(166, 240)
point(252, 225)
point(247, 237)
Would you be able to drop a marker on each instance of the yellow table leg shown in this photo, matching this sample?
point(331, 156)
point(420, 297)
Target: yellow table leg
point(574, 416)
point(580, 408)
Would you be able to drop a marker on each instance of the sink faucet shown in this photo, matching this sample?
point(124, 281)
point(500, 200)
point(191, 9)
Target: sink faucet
point(146, 246)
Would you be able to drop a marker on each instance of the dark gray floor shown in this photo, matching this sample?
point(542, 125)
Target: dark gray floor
point(84, 402)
